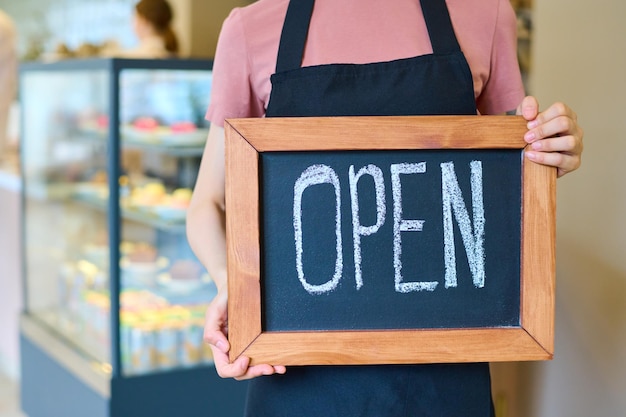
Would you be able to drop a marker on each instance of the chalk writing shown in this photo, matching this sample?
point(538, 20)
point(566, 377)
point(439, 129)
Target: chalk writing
point(402, 225)
point(317, 174)
point(473, 243)
point(453, 206)
point(358, 229)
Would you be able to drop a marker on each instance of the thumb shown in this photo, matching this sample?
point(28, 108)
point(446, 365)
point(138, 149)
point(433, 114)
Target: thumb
point(529, 108)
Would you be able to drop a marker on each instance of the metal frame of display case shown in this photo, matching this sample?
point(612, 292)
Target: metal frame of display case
point(56, 378)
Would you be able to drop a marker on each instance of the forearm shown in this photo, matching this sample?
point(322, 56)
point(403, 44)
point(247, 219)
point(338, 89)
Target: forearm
point(207, 238)
point(205, 218)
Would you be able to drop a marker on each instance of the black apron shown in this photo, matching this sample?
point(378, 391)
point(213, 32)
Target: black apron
point(437, 84)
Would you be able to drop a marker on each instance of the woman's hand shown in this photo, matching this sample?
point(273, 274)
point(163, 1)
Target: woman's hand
point(206, 233)
point(215, 334)
point(554, 135)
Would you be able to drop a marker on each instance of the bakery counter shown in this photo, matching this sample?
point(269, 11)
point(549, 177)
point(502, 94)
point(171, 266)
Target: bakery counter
point(110, 150)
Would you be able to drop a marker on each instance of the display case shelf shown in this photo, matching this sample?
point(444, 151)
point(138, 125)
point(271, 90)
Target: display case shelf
point(190, 144)
point(170, 220)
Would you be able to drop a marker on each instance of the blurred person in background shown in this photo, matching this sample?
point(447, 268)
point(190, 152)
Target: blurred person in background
point(152, 24)
point(8, 75)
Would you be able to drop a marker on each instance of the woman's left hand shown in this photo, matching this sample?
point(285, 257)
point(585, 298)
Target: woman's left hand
point(554, 135)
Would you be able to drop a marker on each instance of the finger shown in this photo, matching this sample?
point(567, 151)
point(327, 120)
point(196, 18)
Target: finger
point(561, 125)
point(215, 327)
point(260, 370)
point(240, 369)
point(225, 368)
point(567, 144)
point(556, 110)
point(560, 109)
point(562, 161)
point(217, 339)
point(529, 108)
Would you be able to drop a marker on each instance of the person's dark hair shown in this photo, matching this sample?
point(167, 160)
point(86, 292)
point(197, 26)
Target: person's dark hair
point(159, 13)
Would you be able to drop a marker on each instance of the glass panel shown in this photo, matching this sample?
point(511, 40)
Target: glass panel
point(64, 165)
point(164, 288)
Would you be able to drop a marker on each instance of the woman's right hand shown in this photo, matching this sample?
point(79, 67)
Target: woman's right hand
point(215, 334)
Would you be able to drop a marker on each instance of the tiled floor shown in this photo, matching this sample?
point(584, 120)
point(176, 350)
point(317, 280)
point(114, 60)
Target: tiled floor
point(9, 401)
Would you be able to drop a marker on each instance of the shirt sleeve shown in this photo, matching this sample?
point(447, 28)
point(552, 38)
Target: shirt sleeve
point(504, 90)
point(231, 92)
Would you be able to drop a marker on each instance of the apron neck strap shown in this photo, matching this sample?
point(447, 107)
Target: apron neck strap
point(294, 34)
point(440, 30)
point(298, 18)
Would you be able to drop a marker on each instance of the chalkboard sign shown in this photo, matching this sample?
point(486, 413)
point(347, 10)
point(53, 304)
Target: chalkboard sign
point(370, 240)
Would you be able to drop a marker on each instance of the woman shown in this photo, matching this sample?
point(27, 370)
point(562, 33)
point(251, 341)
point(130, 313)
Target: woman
point(282, 58)
point(152, 24)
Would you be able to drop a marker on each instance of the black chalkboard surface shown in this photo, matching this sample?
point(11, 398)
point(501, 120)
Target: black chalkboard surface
point(371, 240)
point(319, 288)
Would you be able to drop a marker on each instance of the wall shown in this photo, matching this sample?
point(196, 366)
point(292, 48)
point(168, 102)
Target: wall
point(44, 24)
point(199, 23)
point(580, 58)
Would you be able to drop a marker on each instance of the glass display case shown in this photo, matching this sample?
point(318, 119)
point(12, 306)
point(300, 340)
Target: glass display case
point(114, 295)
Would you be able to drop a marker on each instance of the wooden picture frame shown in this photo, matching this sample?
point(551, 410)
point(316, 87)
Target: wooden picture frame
point(247, 138)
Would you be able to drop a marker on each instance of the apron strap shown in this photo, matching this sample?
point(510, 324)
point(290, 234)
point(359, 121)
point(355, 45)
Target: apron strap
point(298, 19)
point(440, 30)
point(294, 34)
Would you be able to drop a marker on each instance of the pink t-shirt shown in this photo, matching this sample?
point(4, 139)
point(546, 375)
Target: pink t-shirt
point(357, 32)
